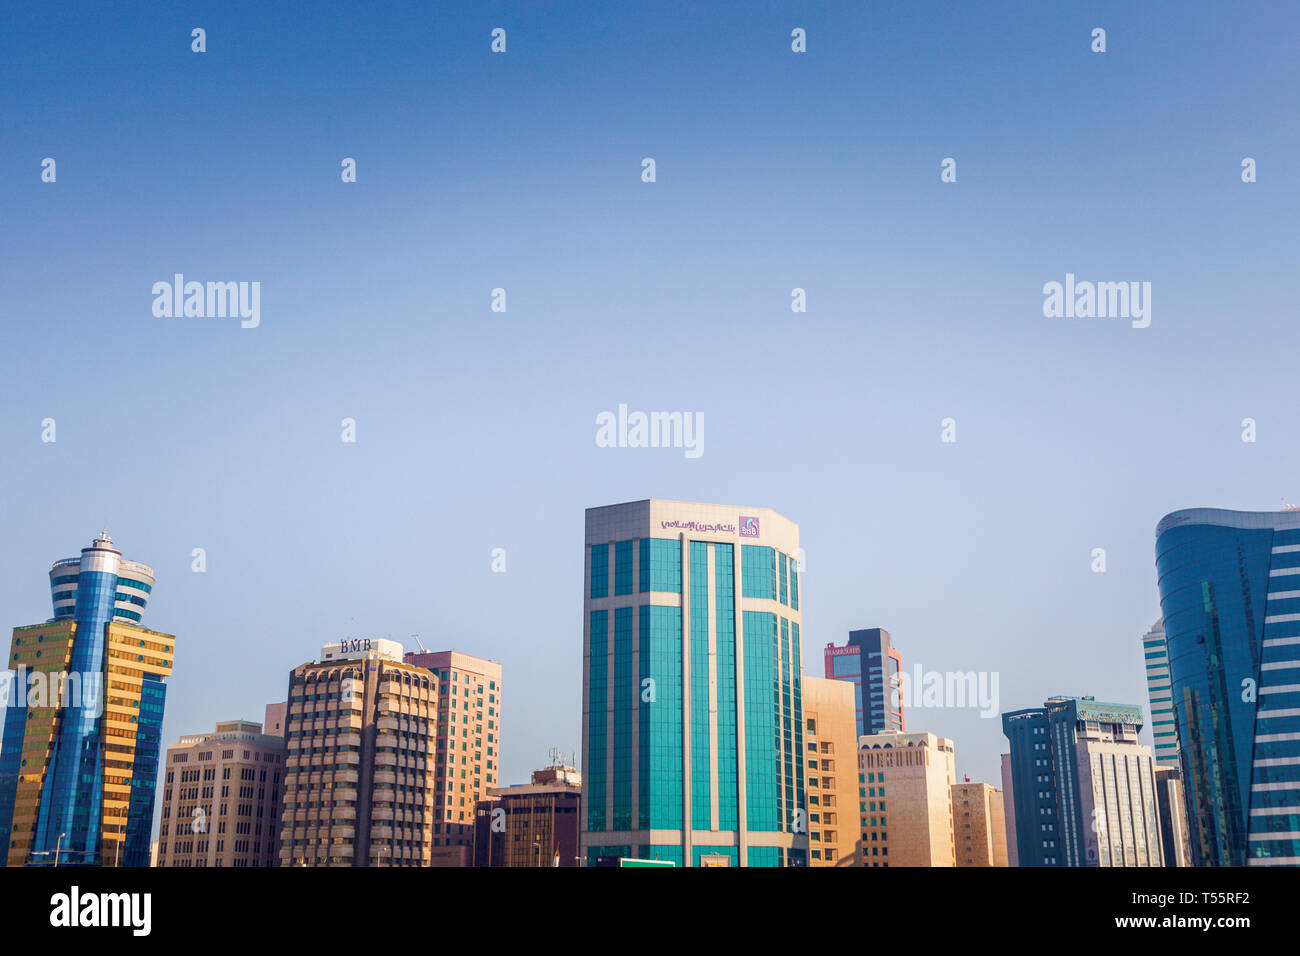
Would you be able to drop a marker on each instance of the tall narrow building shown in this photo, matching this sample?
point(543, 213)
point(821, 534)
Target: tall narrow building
point(467, 762)
point(79, 758)
point(832, 756)
point(1230, 594)
point(1164, 728)
point(359, 765)
point(874, 667)
point(692, 706)
point(1085, 790)
point(979, 824)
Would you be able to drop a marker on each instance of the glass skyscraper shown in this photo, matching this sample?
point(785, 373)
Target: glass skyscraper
point(1230, 594)
point(79, 755)
point(1164, 729)
point(874, 667)
point(693, 725)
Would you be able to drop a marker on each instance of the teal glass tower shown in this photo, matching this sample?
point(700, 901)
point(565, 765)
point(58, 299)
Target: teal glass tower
point(692, 708)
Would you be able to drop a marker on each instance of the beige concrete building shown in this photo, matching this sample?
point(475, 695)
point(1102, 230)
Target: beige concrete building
point(905, 799)
point(1009, 811)
point(359, 771)
point(221, 798)
point(830, 734)
point(979, 825)
point(468, 747)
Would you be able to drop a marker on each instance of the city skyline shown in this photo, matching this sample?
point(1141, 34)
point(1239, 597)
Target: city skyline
point(456, 512)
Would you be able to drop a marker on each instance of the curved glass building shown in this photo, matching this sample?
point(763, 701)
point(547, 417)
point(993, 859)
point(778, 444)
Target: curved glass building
point(1230, 594)
point(79, 757)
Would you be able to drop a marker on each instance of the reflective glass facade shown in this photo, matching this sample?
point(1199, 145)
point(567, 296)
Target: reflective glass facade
point(1230, 594)
point(693, 713)
point(78, 773)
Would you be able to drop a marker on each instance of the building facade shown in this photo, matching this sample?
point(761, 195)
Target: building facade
point(1084, 787)
point(979, 825)
point(467, 761)
point(82, 734)
point(905, 799)
point(221, 798)
point(692, 710)
point(1009, 811)
point(360, 759)
point(874, 667)
point(830, 732)
point(533, 824)
point(1176, 846)
point(1164, 727)
point(1230, 594)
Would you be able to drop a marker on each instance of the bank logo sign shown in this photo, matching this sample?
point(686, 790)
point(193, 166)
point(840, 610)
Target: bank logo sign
point(748, 527)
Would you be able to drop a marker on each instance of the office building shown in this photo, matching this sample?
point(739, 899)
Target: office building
point(532, 824)
point(1084, 788)
point(467, 761)
point(221, 797)
point(1174, 842)
point(1164, 728)
point(979, 825)
point(830, 732)
point(874, 667)
point(692, 708)
point(1230, 594)
point(359, 764)
point(905, 799)
point(82, 733)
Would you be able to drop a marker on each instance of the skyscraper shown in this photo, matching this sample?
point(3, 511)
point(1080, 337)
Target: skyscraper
point(79, 760)
point(359, 766)
point(1164, 729)
point(692, 710)
point(532, 824)
point(468, 756)
point(1230, 593)
point(873, 665)
point(1084, 787)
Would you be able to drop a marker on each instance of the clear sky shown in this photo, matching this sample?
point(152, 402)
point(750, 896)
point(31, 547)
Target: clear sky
point(475, 429)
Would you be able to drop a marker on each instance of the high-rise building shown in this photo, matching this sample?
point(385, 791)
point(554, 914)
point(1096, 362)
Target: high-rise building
point(359, 766)
point(79, 757)
point(1084, 786)
point(1173, 817)
point(1164, 728)
point(1230, 594)
point(874, 667)
point(532, 824)
point(979, 825)
point(1009, 811)
point(221, 797)
point(692, 707)
point(468, 758)
point(830, 732)
point(905, 799)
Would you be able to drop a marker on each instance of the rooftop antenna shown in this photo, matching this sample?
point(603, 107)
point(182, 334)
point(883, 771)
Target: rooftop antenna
point(416, 638)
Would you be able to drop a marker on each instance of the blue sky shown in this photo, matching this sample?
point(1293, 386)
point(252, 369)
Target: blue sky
point(522, 171)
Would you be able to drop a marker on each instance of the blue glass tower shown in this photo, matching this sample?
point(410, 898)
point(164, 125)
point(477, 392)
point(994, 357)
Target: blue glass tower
point(1230, 594)
point(78, 770)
